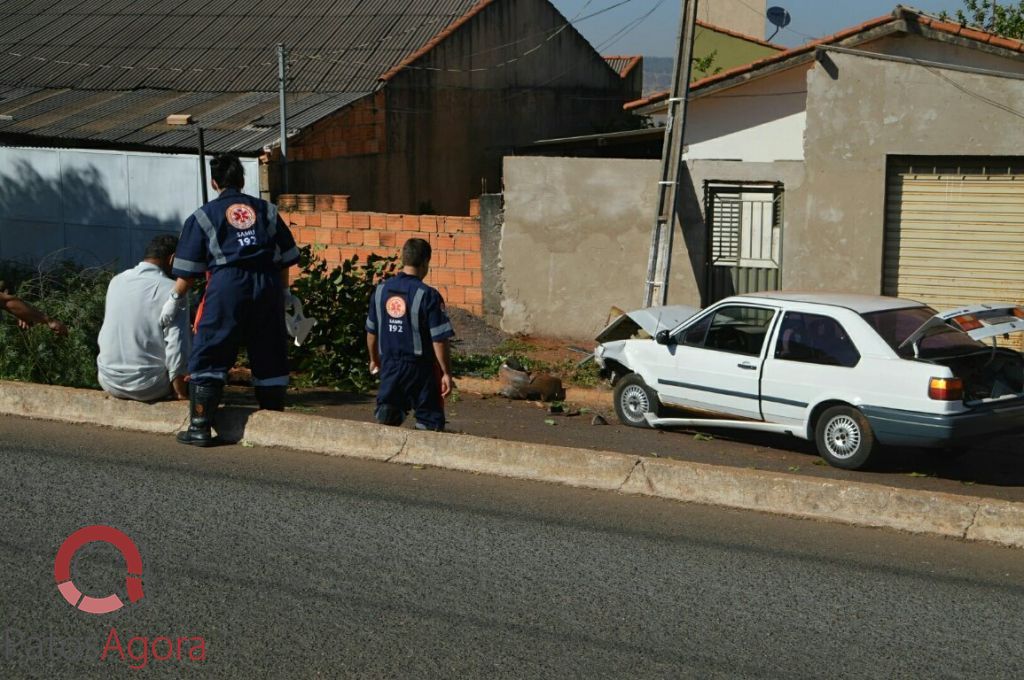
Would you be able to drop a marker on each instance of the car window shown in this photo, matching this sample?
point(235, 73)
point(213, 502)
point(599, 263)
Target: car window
point(694, 335)
point(896, 325)
point(736, 329)
point(815, 339)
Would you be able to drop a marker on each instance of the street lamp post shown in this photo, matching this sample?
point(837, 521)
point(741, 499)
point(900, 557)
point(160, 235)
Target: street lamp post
point(186, 119)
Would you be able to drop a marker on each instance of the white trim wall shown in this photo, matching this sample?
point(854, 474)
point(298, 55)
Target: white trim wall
point(97, 207)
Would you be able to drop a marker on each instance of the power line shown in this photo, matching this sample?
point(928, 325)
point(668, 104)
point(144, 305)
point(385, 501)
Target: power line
point(319, 57)
point(968, 92)
point(551, 35)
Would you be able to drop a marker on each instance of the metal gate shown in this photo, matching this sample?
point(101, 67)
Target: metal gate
point(744, 238)
point(954, 231)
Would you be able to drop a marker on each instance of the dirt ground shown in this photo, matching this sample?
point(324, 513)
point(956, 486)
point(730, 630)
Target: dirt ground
point(993, 470)
point(474, 336)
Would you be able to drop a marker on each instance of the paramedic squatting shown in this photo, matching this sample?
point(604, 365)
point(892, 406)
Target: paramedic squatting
point(407, 333)
point(245, 249)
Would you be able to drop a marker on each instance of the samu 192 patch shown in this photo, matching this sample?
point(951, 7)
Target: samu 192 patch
point(241, 216)
point(395, 306)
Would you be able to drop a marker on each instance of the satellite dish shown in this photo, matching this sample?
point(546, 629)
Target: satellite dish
point(779, 17)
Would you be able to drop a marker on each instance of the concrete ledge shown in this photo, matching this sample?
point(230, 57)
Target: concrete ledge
point(575, 467)
point(855, 503)
point(88, 406)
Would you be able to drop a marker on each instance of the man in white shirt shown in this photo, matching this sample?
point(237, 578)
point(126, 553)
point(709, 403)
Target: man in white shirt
point(140, 359)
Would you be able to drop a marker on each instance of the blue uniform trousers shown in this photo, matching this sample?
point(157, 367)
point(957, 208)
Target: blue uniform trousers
point(410, 384)
point(242, 306)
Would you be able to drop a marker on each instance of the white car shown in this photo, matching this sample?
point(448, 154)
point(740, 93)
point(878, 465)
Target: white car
point(848, 371)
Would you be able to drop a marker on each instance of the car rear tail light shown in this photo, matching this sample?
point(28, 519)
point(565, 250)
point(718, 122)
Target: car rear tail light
point(1018, 312)
point(967, 322)
point(946, 389)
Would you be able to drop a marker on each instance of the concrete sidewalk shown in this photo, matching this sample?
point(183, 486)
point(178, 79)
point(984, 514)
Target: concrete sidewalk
point(848, 502)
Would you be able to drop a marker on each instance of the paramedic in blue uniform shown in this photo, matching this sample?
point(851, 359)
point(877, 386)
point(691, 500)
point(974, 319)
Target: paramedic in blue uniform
point(246, 249)
point(407, 332)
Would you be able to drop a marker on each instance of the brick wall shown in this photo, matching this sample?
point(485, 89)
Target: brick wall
point(455, 268)
point(356, 130)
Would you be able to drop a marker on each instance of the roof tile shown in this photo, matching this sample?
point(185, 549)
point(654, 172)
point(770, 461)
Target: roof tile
point(901, 13)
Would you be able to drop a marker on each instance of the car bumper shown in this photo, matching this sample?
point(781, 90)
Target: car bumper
point(911, 428)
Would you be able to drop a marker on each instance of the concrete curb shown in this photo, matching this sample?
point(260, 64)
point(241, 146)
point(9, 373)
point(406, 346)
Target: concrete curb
point(855, 503)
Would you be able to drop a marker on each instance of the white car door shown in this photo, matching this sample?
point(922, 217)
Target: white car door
point(812, 354)
point(718, 360)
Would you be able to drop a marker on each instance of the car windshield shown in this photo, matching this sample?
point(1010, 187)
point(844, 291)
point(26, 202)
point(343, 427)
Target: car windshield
point(896, 325)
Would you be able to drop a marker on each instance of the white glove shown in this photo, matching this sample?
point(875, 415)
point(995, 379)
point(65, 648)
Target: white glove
point(297, 323)
point(170, 310)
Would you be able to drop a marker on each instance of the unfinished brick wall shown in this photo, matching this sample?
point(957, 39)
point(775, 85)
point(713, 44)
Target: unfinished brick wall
point(356, 130)
point(455, 269)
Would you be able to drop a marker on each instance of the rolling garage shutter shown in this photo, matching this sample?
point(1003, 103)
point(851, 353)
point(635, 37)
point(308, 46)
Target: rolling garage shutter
point(954, 232)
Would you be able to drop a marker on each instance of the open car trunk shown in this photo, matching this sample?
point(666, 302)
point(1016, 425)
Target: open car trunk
point(988, 372)
point(992, 373)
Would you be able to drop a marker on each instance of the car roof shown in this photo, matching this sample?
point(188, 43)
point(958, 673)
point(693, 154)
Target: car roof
point(862, 304)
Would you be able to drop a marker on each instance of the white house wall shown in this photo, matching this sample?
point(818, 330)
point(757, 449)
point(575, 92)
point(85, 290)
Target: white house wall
point(99, 208)
point(758, 122)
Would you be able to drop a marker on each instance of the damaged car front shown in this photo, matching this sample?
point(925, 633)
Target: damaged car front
point(632, 334)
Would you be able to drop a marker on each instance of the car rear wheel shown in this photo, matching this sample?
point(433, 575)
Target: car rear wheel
point(633, 400)
point(844, 438)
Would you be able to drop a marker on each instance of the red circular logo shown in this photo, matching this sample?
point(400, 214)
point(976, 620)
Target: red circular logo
point(396, 307)
point(101, 534)
point(241, 217)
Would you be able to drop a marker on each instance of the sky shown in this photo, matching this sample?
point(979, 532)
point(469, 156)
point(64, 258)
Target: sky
point(655, 35)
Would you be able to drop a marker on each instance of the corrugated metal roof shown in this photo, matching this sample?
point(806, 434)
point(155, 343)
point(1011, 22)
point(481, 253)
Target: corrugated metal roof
point(111, 71)
point(214, 45)
point(623, 65)
point(242, 122)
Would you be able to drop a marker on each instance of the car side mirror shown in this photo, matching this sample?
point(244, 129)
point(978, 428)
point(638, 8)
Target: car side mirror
point(663, 338)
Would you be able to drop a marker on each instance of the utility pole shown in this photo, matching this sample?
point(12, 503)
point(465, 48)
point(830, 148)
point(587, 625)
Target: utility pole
point(667, 219)
point(282, 80)
point(202, 165)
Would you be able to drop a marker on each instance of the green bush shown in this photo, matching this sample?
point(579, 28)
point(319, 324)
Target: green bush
point(66, 292)
point(335, 352)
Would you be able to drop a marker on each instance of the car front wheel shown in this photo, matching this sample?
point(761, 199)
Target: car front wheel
point(844, 438)
point(634, 400)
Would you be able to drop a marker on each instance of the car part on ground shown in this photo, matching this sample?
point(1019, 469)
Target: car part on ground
point(518, 383)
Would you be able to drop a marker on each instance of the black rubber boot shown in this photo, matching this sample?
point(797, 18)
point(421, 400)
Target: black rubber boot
point(203, 402)
point(271, 398)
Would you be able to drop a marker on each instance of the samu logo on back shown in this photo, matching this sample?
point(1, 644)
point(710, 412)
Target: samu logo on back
point(98, 534)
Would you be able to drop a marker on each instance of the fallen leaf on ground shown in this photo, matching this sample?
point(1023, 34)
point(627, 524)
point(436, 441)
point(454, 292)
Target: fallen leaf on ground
point(794, 468)
point(248, 445)
point(819, 462)
point(917, 474)
point(549, 421)
point(701, 437)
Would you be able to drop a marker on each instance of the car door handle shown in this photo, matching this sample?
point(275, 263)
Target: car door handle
point(747, 366)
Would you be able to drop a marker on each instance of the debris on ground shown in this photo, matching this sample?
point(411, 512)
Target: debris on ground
point(518, 383)
point(598, 420)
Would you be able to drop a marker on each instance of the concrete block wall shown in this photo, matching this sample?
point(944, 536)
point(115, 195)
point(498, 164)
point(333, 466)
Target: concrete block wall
point(456, 267)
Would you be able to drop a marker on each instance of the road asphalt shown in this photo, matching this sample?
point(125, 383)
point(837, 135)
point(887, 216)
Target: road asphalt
point(284, 564)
